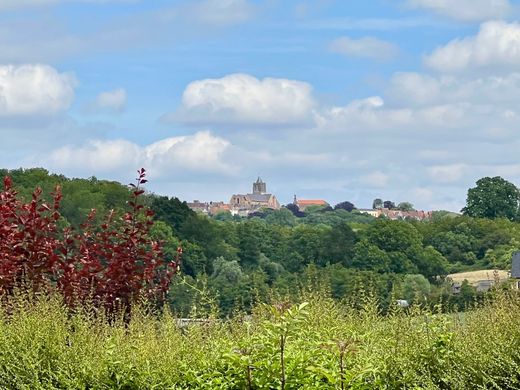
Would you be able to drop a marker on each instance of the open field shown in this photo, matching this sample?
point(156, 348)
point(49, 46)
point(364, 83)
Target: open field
point(475, 276)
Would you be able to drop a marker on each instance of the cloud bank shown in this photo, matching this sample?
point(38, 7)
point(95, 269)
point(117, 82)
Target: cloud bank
point(466, 10)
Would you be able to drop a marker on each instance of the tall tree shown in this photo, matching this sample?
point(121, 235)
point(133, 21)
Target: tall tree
point(493, 197)
point(388, 204)
point(172, 211)
point(377, 203)
point(345, 206)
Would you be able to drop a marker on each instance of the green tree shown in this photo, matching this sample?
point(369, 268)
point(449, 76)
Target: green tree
point(172, 211)
point(405, 206)
point(431, 263)
point(249, 236)
point(415, 288)
point(400, 240)
point(493, 197)
point(338, 245)
point(283, 217)
point(369, 257)
point(377, 203)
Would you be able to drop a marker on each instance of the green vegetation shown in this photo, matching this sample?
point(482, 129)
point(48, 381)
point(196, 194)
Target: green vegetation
point(242, 286)
point(319, 345)
point(244, 261)
point(493, 197)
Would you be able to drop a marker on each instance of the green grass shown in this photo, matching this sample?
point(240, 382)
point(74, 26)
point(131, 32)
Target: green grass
point(45, 346)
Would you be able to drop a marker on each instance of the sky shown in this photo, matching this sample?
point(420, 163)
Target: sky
point(404, 100)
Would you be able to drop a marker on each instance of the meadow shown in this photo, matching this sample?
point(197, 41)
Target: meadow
point(318, 344)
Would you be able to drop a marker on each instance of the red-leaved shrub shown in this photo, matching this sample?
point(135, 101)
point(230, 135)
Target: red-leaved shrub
point(111, 264)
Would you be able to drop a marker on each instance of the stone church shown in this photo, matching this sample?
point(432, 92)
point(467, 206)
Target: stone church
point(244, 204)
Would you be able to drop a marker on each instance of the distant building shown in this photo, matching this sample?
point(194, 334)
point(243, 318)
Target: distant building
point(210, 208)
point(515, 266)
point(484, 285)
point(218, 207)
point(198, 206)
point(373, 212)
point(397, 214)
point(243, 204)
point(306, 203)
point(515, 269)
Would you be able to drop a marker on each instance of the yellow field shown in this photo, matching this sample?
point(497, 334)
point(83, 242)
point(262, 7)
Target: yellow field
point(475, 276)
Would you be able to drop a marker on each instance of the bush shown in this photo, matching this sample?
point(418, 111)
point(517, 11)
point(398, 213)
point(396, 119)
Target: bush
point(112, 264)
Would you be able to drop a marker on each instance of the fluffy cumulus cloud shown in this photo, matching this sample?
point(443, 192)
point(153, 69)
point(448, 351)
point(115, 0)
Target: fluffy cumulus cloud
point(113, 101)
point(366, 47)
point(246, 100)
point(496, 47)
point(466, 10)
point(34, 90)
point(201, 152)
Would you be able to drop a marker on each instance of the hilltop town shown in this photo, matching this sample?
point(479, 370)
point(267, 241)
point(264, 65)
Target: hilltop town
point(246, 204)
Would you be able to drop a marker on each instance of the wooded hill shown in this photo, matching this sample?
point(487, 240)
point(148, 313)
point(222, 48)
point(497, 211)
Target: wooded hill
point(235, 262)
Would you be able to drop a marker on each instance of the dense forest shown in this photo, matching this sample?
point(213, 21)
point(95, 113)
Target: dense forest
point(230, 263)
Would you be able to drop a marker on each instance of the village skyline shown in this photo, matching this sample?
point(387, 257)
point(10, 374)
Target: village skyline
point(260, 199)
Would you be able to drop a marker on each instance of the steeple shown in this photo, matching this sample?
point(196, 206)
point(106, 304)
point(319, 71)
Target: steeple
point(259, 187)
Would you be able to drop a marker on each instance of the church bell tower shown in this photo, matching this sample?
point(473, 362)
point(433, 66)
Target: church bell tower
point(259, 187)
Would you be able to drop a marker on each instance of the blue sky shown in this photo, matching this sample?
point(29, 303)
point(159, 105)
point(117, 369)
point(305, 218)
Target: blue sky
point(407, 100)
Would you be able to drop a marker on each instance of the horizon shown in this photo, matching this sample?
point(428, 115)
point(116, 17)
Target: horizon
point(407, 100)
point(226, 201)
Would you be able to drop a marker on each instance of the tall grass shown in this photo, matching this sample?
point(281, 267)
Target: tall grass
point(327, 345)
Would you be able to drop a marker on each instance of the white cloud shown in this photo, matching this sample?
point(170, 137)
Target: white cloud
point(466, 10)
point(34, 90)
point(109, 102)
point(371, 114)
point(416, 89)
point(495, 47)
point(366, 47)
point(447, 173)
point(245, 100)
point(200, 152)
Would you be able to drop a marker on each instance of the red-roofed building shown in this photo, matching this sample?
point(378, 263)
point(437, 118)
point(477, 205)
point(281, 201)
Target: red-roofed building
point(306, 203)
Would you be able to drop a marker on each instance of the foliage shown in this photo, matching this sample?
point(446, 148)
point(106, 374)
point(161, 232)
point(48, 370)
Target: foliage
point(275, 252)
point(377, 203)
point(493, 197)
point(171, 211)
point(113, 264)
point(348, 206)
point(405, 206)
point(388, 204)
point(320, 344)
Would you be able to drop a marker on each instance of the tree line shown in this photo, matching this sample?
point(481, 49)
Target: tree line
point(235, 262)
